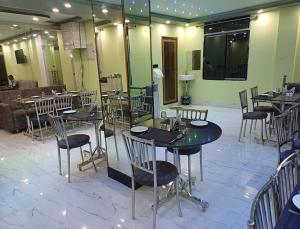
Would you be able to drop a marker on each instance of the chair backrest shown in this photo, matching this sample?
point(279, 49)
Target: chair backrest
point(254, 93)
point(282, 126)
point(141, 153)
point(294, 121)
point(44, 106)
point(163, 114)
point(264, 211)
point(193, 114)
point(58, 127)
point(63, 103)
point(244, 100)
point(137, 101)
point(88, 98)
point(286, 178)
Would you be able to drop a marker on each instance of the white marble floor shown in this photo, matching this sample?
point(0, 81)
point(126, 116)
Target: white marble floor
point(33, 195)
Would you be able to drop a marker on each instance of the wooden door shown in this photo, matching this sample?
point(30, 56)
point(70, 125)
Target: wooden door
point(169, 64)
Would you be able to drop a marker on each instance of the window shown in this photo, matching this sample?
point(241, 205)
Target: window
point(226, 50)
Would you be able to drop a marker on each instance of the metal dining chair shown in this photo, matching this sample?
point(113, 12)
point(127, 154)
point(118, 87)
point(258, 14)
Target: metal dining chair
point(286, 178)
point(62, 103)
point(88, 98)
point(294, 125)
point(253, 116)
point(69, 142)
point(284, 137)
point(148, 171)
point(256, 107)
point(43, 107)
point(190, 114)
point(264, 211)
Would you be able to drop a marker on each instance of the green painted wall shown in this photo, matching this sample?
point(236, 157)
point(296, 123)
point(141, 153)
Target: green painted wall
point(26, 71)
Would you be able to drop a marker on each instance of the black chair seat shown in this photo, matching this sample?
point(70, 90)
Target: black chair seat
point(186, 151)
point(268, 109)
point(166, 172)
point(255, 115)
point(285, 154)
point(108, 133)
point(75, 141)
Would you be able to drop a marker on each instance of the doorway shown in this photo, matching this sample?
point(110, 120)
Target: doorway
point(169, 65)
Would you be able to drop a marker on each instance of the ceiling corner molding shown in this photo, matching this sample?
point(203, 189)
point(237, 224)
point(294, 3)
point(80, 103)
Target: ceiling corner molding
point(23, 12)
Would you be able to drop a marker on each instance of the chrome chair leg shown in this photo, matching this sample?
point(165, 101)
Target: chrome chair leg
point(201, 166)
point(69, 166)
point(262, 131)
point(241, 130)
point(92, 156)
point(82, 159)
point(251, 126)
point(117, 150)
point(59, 160)
point(154, 204)
point(133, 197)
point(190, 173)
point(177, 196)
point(245, 128)
point(266, 131)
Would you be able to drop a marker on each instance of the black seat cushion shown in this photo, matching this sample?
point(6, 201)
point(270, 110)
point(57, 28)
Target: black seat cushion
point(268, 109)
point(285, 154)
point(166, 172)
point(255, 115)
point(186, 151)
point(75, 141)
point(108, 133)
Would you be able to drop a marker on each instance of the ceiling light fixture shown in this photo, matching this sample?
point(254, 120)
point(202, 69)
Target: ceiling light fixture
point(35, 19)
point(15, 40)
point(55, 10)
point(116, 23)
point(51, 36)
point(34, 35)
point(260, 11)
point(46, 32)
point(68, 5)
point(187, 25)
point(15, 25)
point(168, 22)
point(24, 38)
point(105, 11)
point(127, 20)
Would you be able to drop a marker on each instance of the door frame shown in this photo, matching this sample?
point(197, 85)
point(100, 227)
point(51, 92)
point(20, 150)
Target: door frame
point(175, 39)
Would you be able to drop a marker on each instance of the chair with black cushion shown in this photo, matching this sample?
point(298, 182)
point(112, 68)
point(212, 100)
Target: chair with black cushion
point(252, 116)
point(294, 124)
point(284, 138)
point(286, 178)
point(268, 109)
point(43, 107)
point(191, 114)
point(264, 211)
point(146, 170)
point(69, 142)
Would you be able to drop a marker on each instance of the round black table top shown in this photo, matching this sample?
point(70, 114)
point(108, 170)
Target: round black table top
point(83, 116)
point(193, 137)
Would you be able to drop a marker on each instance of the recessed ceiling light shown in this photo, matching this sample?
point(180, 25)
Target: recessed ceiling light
point(210, 28)
point(15, 40)
point(35, 18)
point(15, 25)
point(127, 20)
point(68, 5)
point(168, 22)
point(34, 35)
point(51, 36)
point(187, 25)
point(55, 10)
point(116, 23)
point(105, 11)
point(46, 32)
point(24, 38)
point(7, 43)
point(260, 11)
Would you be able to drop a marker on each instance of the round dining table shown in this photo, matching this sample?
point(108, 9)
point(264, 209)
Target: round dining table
point(190, 137)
